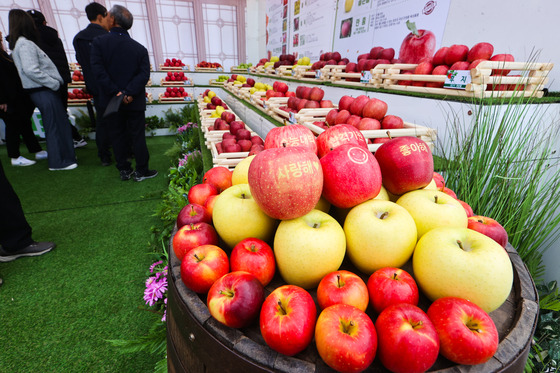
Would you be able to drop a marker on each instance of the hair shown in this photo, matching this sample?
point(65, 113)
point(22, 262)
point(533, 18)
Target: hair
point(95, 9)
point(37, 16)
point(122, 16)
point(20, 24)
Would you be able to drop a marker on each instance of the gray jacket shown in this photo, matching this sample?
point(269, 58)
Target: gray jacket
point(35, 68)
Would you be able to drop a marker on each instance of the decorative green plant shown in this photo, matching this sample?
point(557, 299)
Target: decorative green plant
point(83, 123)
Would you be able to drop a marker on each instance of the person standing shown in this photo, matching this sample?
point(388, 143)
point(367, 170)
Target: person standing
point(16, 109)
point(40, 78)
point(51, 44)
point(122, 68)
point(99, 25)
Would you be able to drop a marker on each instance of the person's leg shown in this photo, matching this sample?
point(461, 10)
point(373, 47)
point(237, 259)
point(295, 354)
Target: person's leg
point(12, 135)
point(26, 129)
point(116, 124)
point(63, 94)
point(102, 138)
point(136, 126)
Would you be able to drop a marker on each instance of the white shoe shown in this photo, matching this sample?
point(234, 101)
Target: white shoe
point(41, 155)
point(21, 161)
point(70, 167)
point(80, 143)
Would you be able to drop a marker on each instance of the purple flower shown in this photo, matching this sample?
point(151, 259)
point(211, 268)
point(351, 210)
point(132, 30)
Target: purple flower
point(154, 265)
point(155, 289)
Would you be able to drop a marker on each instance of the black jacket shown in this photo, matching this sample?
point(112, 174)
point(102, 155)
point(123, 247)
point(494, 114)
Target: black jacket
point(120, 64)
point(11, 90)
point(51, 44)
point(82, 46)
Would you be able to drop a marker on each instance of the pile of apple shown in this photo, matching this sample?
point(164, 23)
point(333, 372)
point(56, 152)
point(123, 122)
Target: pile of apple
point(303, 205)
point(175, 92)
point(278, 89)
point(212, 65)
point(284, 60)
point(329, 58)
point(79, 94)
point(77, 76)
point(173, 62)
point(241, 80)
point(260, 87)
point(177, 76)
point(238, 138)
point(307, 98)
point(213, 102)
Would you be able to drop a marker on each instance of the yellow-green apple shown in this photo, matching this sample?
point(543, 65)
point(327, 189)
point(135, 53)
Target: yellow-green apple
point(241, 171)
point(293, 135)
point(342, 287)
point(209, 204)
point(432, 185)
point(461, 262)
point(345, 337)
point(382, 195)
point(418, 44)
point(379, 234)
point(339, 135)
point(198, 193)
point(254, 256)
point(287, 182)
point(192, 235)
point(193, 213)
point(388, 286)
point(467, 207)
point(323, 205)
point(431, 209)
point(489, 227)
point(503, 58)
point(287, 319)
point(467, 334)
point(351, 176)
point(235, 299)
point(308, 248)
point(237, 216)
point(456, 52)
point(202, 266)
point(408, 341)
point(375, 109)
point(406, 164)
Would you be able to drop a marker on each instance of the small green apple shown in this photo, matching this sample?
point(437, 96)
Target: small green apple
point(379, 234)
point(308, 248)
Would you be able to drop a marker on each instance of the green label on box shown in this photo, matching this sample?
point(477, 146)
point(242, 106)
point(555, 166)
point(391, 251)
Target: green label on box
point(457, 79)
point(366, 76)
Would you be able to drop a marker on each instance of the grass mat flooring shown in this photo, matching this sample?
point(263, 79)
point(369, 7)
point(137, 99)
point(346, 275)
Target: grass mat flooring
point(58, 310)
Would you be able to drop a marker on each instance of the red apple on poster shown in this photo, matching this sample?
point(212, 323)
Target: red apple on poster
point(408, 341)
point(292, 135)
point(339, 135)
point(351, 176)
point(235, 299)
point(202, 266)
point(418, 44)
point(489, 227)
point(388, 286)
point(219, 176)
point(198, 193)
point(346, 338)
point(191, 236)
point(192, 214)
point(480, 51)
point(342, 287)
point(255, 256)
point(406, 164)
point(286, 183)
point(467, 334)
point(287, 319)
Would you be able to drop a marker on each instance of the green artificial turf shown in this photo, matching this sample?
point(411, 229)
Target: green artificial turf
point(57, 311)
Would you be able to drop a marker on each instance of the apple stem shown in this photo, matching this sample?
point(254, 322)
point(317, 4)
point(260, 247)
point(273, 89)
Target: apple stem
point(243, 196)
point(384, 215)
point(346, 327)
point(389, 135)
point(412, 27)
point(339, 284)
point(227, 293)
point(395, 276)
point(282, 308)
point(460, 244)
point(480, 220)
point(197, 258)
point(416, 325)
point(435, 198)
point(316, 225)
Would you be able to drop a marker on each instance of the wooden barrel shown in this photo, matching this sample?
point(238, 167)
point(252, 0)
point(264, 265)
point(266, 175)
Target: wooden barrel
point(197, 343)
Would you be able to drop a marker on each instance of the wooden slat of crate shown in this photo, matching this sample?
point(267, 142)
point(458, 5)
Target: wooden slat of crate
point(175, 83)
point(312, 115)
point(338, 77)
point(173, 68)
point(77, 101)
point(226, 159)
point(237, 70)
point(162, 98)
point(208, 69)
point(77, 84)
point(216, 83)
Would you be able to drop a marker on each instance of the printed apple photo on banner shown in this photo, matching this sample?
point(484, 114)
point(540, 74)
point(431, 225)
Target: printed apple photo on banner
point(296, 40)
point(297, 6)
point(346, 28)
point(296, 24)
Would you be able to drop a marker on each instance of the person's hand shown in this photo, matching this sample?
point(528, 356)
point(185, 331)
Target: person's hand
point(126, 99)
point(4, 107)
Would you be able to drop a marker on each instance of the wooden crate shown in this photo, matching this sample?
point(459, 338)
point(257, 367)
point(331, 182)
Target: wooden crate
point(162, 98)
point(235, 69)
point(176, 83)
point(216, 83)
point(208, 69)
point(313, 115)
point(173, 68)
point(77, 101)
point(77, 84)
point(340, 77)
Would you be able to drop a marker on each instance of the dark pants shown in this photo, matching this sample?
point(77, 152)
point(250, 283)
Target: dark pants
point(15, 232)
point(57, 128)
point(102, 138)
point(19, 126)
point(128, 129)
point(63, 93)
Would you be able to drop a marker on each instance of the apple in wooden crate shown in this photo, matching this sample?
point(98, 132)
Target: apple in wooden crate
point(342, 287)
point(388, 286)
point(489, 227)
point(292, 135)
point(339, 135)
point(482, 51)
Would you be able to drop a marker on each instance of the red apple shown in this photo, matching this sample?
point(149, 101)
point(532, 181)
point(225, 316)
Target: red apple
point(228, 116)
point(456, 52)
point(202, 266)
point(209, 204)
point(357, 106)
point(198, 193)
point(503, 58)
point(255, 149)
point(386, 54)
point(439, 56)
point(375, 52)
point(406, 164)
point(368, 124)
point(342, 287)
point(316, 94)
point(475, 63)
point(375, 109)
point(388, 286)
point(354, 120)
point(235, 126)
point(381, 140)
point(481, 51)
point(440, 181)
point(467, 334)
point(287, 319)
point(467, 207)
point(326, 104)
point(233, 148)
point(438, 70)
point(301, 104)
point(331, 116)
point(228, 135)
point(344, 102)
point(254, 256)
point(338, 135)
point(460, 65)
point(220, 177)
point(310, 104)
point(392, 122)
point(287, 182)
point(256, 140)
point(191, 236)
point(280, 87)
point(417, 44)
point(351, 67)
point(243, 134)
point(346, 339)
point(448, 191)
point(489, 227)
point(192, 214)
point(342, 117)
point(424, 67)
point(289, 136)
point(245, 145)
point(229, 141)
point(408, 341)
point(235, 299)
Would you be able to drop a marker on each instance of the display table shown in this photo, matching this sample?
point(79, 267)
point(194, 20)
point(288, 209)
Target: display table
point(196, 342)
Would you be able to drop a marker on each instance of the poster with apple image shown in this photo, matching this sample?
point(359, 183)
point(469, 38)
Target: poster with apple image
point(275, 10)
point(352, 34)
point(314, 24)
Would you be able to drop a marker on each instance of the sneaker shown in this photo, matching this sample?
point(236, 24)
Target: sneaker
point(79, 143)
point(41, 155)
point(126, 174)
point(21, 161)
point(35, 249)
point(147, 175)
point(70, 167)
